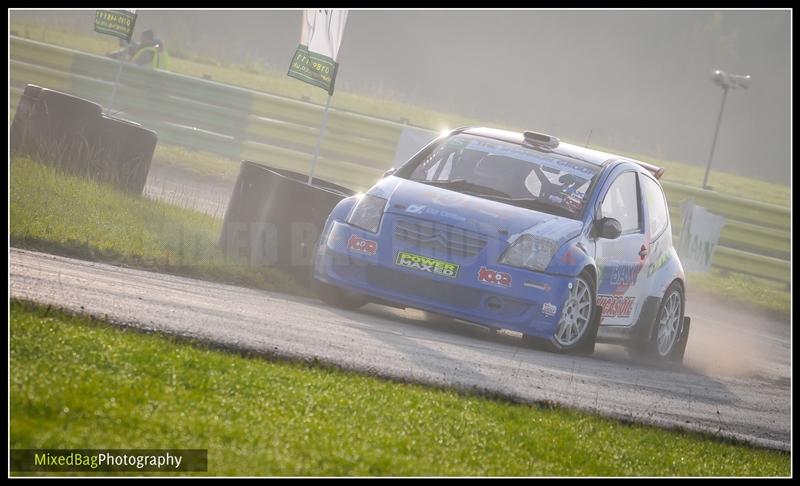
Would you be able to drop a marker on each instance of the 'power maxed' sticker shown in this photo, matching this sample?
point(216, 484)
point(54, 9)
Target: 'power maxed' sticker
point(426, 264)
point(615, 305)
point(359, 244)
point(487, 275)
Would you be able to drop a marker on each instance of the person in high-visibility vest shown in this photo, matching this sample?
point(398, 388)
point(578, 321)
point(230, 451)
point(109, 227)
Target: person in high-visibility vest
point(150, 52)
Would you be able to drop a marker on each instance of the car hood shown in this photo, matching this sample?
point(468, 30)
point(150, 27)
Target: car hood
point(490, 218)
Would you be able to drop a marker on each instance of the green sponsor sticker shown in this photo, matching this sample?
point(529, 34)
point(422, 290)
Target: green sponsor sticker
point(118, 23)
point(426, 264)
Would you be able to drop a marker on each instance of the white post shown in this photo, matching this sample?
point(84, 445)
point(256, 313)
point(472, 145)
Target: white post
point(319, 139)
point(116, 82)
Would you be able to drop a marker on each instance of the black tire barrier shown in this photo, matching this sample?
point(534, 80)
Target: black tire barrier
point(274, 218)
point(130, 148)
point(54, 128)
point(72, 135)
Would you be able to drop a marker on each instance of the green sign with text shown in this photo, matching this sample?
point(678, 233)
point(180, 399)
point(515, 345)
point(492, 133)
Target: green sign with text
point(118, 23)
point(313, 68)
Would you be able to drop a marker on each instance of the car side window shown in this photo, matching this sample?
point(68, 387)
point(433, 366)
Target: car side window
point(657, 211)
point(621, 202)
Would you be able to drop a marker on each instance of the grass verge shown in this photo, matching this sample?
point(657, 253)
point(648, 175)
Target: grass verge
point(203, 164)
point(79, 383)
point(72, 216)
point(743, 290)
point(254, 77)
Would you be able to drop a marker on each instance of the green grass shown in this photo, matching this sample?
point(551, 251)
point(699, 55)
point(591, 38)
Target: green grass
point(196, 162)
point(743, 290)
point(63, 214)
point(389, 106)
point(80, 383)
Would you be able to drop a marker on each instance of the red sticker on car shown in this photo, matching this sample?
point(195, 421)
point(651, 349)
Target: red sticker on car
point(487, 275)
point(573, 203)
point(359, 244)
point(615, 305)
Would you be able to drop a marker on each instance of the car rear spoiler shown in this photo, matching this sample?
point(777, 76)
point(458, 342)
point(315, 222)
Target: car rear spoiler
point(656, 171)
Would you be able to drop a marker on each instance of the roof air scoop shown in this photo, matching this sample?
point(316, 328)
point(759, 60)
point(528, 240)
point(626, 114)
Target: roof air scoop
point(541, 140)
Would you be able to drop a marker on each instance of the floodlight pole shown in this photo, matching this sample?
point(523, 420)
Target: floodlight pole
point(716, 132)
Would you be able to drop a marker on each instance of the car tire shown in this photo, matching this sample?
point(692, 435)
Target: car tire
point(337, 297)
point(669, 336)
point(574, 319)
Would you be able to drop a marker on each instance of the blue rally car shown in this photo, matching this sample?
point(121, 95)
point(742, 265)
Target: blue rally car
point(517, 231)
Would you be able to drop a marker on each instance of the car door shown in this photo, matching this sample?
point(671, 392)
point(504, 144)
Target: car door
point(620, 261)
point(659, 235)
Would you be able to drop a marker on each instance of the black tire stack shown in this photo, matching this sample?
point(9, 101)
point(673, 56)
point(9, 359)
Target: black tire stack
point(72, 135)
point(274, 218)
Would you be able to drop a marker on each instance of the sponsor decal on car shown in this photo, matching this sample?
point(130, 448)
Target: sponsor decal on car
point(659, 258)
point(423, 209)
point(549, 309)
point(359, 244)
point(573, 203)
point(487, 275)
point(426, 264)
point(617, 278)
point(625, 275)
point(615, 305)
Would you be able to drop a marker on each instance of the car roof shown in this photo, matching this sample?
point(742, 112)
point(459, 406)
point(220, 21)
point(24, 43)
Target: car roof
point(591, 156)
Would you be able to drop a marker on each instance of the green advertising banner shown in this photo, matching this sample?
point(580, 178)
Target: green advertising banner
point(118, 23)
point(313, 68)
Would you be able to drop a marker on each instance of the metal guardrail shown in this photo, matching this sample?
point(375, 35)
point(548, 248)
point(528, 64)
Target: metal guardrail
point(246, 124)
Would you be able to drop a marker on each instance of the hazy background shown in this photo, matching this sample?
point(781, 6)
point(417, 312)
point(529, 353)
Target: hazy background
point(639, 81)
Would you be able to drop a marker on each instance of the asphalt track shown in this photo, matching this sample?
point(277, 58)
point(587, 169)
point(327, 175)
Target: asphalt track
point(735, 382)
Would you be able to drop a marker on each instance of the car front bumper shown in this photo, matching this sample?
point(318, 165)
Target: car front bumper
point(531, 303)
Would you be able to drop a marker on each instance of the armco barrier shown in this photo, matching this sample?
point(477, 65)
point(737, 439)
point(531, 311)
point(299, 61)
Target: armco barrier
point(245, 124)
point(731, 207)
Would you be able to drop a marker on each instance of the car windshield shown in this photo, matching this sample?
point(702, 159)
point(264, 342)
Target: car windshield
point(508, 172)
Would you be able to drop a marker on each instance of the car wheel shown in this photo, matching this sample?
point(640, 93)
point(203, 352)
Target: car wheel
point(669, 326)
point(577, 328)
point(668, 339)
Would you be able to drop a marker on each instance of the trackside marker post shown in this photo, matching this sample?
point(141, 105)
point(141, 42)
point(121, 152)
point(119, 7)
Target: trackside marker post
point(319, 139)
point(116, 83)
point(314, 61)
point(120, 24)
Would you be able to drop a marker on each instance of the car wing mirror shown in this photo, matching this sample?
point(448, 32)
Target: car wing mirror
point(608, 228)
point(390, 172)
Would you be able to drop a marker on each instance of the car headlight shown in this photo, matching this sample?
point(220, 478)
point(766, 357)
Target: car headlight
point(367, 213)
point(529, 252)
